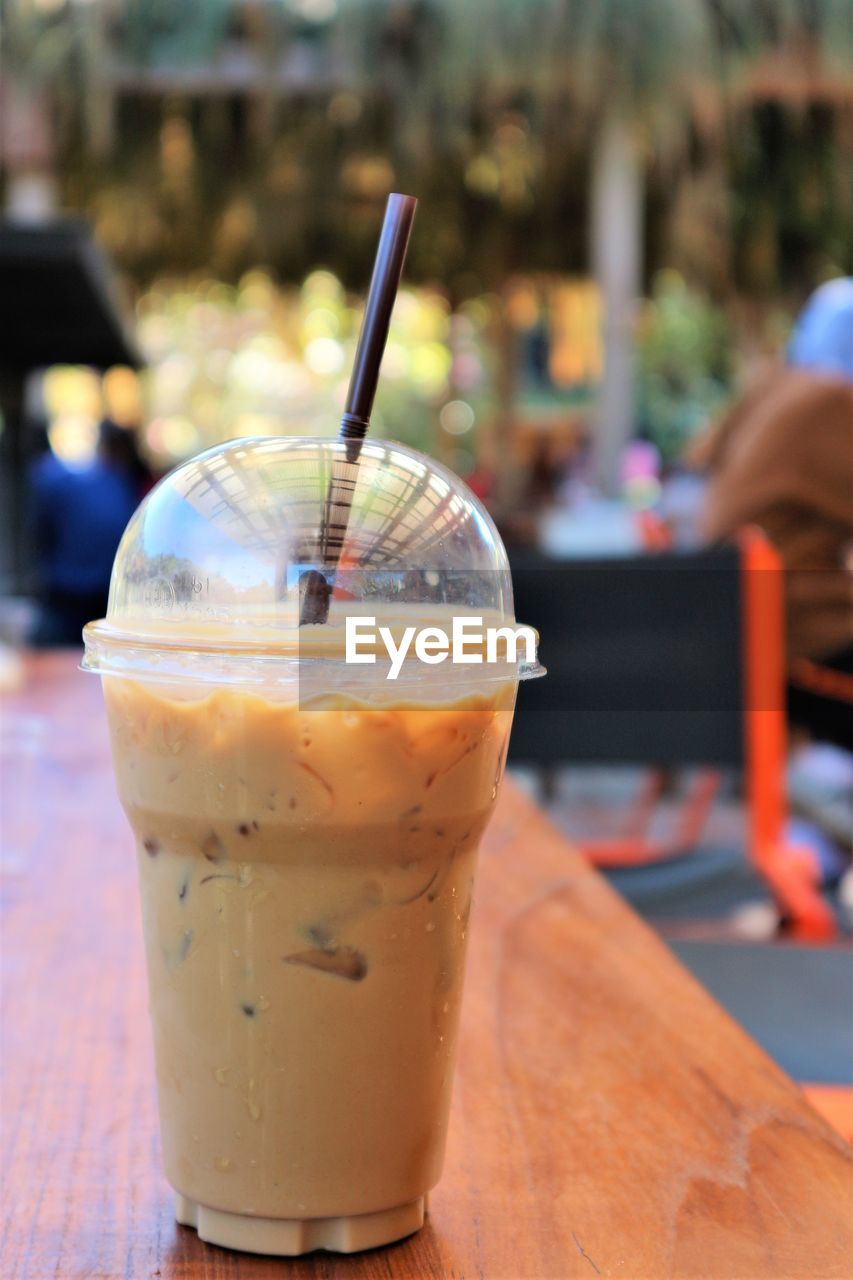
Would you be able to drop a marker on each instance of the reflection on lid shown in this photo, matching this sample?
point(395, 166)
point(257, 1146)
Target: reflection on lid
point(400, 512)
point(225, 539)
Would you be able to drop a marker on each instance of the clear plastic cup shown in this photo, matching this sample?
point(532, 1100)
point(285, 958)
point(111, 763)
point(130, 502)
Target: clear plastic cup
point(307, 827)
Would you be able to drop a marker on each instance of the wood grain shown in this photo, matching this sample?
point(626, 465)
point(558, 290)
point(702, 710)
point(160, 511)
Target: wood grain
point(609, 1119)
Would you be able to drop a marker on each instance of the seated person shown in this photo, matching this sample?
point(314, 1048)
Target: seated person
point(782, 459)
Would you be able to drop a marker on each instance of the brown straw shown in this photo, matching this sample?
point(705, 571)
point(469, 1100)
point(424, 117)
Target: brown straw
point(316, 586)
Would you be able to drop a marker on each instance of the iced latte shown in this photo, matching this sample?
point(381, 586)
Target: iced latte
point(306, 880)
point(306, 830)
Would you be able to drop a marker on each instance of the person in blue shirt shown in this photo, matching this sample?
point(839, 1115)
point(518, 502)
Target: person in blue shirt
point(79, 515)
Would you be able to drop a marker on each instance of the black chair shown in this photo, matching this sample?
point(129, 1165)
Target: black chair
point(670, 659)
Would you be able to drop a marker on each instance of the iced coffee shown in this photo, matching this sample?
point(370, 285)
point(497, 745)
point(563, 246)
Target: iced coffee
point(306, 881)
point(306, 839)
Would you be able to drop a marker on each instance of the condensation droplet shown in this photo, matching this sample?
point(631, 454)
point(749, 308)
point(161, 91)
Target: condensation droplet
point(431, 927)
point(222, 1163)
point(220, 1075)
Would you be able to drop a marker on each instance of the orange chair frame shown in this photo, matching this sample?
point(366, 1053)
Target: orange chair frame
point(792, 873)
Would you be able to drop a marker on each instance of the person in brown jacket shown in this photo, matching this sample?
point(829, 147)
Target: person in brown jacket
point(782, 459)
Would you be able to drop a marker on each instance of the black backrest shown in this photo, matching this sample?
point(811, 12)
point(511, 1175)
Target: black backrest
point(59, 300)
point(644, 658)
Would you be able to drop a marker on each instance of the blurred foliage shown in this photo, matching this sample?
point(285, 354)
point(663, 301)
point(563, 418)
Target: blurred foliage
point(256, 359)
point(165, 33)
point(792, 197)
point(684, 364)
point(214, 134)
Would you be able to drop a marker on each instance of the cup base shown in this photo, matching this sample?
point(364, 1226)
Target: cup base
point(289, 1237)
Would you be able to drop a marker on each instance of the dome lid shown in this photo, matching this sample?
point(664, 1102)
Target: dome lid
point(211, 570)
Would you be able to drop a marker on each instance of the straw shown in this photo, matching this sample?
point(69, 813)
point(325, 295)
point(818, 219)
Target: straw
point(316, 586)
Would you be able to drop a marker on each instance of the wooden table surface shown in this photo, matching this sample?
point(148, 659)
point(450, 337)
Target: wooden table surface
point(608, 1118)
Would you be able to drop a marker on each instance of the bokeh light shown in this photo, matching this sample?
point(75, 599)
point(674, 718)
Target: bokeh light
point(259, 358)
point(324, 355)
point(74, 439)
point(175, 437)
point(456, 417)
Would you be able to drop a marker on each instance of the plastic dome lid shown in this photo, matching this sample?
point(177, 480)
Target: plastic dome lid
point(209, 574)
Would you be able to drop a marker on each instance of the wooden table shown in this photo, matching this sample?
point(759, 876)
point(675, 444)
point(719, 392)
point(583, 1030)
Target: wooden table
point(609, 1119)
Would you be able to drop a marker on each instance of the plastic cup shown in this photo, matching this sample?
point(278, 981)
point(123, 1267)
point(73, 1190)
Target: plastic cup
point(307, 829)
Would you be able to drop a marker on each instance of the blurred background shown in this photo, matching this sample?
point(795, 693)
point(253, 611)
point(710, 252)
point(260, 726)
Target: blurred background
point(625, 206)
